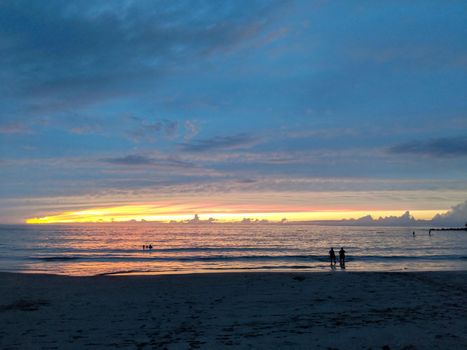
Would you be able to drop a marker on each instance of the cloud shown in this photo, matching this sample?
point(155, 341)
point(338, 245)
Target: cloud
point(150, 130)
point(130, 160)
point(86, 53)
point(239, 141)
point(14, 128)
point(457, 215)
point(71, 122)
point(439, 147)
point(405, 219)
point(169, 170)
point(82, 124)
point(82, 130)
point(191, 129)
point(141, 160)
point(325, 133)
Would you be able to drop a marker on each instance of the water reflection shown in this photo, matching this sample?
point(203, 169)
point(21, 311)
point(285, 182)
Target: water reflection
point(117, 248)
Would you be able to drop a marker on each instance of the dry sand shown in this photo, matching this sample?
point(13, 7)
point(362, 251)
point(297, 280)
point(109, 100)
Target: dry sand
point(250, 310)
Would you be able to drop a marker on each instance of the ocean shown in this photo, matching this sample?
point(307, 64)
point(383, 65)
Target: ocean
point(96, 249)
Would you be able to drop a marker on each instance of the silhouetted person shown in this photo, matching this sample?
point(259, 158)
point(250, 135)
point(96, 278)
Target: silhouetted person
point(150, 246)
point(332, 256)
point(413, 234)
point(342, 257)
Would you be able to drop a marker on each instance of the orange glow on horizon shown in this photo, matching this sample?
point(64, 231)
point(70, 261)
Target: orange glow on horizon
point(183, 213)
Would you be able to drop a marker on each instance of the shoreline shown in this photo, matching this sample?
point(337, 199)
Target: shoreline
point(269, 270)
point(226, 273)
point(295, 310)
point(280, 271)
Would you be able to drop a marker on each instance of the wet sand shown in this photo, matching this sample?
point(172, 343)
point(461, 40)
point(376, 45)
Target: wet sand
point(235, 310)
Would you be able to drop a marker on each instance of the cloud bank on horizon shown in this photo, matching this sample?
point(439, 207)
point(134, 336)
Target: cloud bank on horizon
point(304, 104)
point(456, 216)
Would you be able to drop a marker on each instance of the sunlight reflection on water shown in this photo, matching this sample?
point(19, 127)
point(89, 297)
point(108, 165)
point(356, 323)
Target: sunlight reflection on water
point(90, 249)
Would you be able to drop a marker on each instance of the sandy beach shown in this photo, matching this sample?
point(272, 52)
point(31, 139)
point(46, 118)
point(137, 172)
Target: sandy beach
point(233, 310)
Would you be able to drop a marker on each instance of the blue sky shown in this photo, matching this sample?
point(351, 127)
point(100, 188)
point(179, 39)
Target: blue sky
point(345, 105)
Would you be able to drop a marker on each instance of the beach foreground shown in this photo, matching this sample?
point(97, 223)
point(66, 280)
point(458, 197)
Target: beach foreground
point(235, 310)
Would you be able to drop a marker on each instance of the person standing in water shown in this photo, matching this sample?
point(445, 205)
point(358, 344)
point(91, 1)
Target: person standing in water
point(342, 257)
point(332, 256)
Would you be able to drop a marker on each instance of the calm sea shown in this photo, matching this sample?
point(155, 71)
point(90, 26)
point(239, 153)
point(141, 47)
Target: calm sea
point(92, 249)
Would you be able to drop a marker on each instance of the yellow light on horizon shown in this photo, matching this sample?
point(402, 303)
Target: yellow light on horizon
point(180, 213)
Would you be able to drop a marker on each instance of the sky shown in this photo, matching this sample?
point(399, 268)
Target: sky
point(269, 109)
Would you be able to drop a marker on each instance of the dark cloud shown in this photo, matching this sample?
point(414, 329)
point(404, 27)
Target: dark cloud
point(440, 147)
point(169, 168)
point(132, 159)
point(221, 143)
point(142, 160)
point(57, 55)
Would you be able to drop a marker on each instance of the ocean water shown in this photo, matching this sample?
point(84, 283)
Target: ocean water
point(93, 249)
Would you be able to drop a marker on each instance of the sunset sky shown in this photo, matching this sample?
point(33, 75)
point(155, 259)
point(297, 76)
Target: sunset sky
point(265, 109)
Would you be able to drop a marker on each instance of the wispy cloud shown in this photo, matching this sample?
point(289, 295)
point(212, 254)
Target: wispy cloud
point(14, 128)
point(440, 147)
point(217, 143)
point(152, 129)
point(144, 167)
point(142, 160)
point(143, 129)
point(322, 133)
point(130, 160)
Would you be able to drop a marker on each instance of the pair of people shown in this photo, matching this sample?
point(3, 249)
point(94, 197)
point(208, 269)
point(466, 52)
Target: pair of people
point(332, 256)
point(147, 246)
